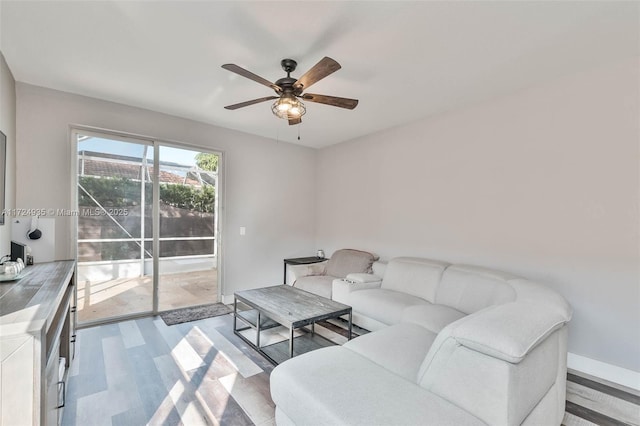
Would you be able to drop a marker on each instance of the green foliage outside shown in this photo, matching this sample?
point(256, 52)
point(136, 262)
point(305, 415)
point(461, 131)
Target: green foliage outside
point(123, 192)
point(207, 161)
point(188, 197)
point(113, 192)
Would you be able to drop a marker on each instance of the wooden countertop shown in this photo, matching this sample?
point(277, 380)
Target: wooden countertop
point(29, 304)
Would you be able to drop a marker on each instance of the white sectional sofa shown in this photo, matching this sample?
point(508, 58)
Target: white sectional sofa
point(453, 345)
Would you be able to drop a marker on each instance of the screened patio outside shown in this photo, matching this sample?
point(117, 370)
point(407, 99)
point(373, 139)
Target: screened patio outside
point(115, 250)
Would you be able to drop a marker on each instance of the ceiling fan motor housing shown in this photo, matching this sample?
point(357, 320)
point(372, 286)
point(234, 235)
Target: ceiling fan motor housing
point(287, 83)
point(288, 65)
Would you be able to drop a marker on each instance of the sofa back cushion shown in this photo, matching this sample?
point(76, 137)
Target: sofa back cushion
point(414, 276)
point(347, 261)
point(530, 291)
point(471, 288)
point(378, 268)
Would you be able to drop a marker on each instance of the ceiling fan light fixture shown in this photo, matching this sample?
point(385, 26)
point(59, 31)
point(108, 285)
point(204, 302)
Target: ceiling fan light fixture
point(288, 90)
point(287, 107)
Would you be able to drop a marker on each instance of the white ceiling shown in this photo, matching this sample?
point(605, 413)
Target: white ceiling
point(402, 60)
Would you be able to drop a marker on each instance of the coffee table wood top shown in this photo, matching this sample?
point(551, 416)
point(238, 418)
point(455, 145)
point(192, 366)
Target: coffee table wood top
point(291, 306)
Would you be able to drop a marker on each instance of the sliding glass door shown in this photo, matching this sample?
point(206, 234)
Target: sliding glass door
point(147, 227)
point(187, 259)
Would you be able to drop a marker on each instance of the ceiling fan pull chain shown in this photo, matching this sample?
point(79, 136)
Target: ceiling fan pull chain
point(299, 131)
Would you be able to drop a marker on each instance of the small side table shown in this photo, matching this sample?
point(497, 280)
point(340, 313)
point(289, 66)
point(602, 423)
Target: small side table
point(300, 261)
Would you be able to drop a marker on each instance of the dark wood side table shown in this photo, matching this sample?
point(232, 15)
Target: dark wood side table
point(300, 261)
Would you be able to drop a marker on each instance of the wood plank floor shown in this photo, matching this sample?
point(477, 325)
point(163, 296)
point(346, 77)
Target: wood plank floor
point(142, 372)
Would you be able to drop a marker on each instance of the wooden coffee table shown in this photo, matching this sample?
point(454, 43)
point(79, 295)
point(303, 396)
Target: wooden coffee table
point(287, 306)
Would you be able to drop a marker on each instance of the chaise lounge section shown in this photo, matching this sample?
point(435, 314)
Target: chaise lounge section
point(453, 345)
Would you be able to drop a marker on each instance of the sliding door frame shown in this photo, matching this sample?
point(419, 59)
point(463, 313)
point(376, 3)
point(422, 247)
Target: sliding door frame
point(156, 143)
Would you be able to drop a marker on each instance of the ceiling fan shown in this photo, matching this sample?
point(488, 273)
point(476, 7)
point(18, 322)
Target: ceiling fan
point(288, 89)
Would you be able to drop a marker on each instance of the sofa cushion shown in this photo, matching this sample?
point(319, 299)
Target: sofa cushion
point(337, 386)
point(316, 284)
point(414, 276)
point(399, 348)
point(383, 305)
point(530, 291)
point(295, 272)
point(346, 261)
point(432, 317)
point(471, 288)
point(378, 268)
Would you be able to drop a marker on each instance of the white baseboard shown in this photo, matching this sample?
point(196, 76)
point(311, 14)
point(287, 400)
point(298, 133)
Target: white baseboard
point(611, 373)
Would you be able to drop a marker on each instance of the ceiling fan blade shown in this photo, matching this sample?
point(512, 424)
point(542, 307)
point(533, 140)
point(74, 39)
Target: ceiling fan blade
point(331, 100)
point(319, 71)
point(247, 103)
point(251, 76)
point(294, 121)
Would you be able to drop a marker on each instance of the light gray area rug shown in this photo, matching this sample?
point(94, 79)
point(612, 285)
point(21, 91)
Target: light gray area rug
point(178, 316)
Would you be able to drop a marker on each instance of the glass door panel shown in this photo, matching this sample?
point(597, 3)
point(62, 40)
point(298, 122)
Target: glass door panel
point(114, 221)
point(187, 260)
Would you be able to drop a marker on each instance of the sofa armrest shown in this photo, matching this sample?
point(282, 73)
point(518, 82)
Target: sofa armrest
point(510, 331)
point(362, 278)
point(517, 350)
point(296, 271)
point(341, 289)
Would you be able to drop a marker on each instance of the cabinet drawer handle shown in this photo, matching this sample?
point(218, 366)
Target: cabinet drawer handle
point(73, 338)
point(64, 394)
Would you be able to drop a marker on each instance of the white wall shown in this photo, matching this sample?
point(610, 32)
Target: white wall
point(266, 183)
point(8, 127)
point(543, 183)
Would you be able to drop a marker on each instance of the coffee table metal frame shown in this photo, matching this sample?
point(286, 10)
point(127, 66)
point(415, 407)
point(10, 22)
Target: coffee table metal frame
point(287, 306)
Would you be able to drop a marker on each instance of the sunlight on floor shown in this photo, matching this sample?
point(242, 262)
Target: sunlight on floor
point(104, 299)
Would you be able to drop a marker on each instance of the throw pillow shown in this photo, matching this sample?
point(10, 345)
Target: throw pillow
point(347, 261)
